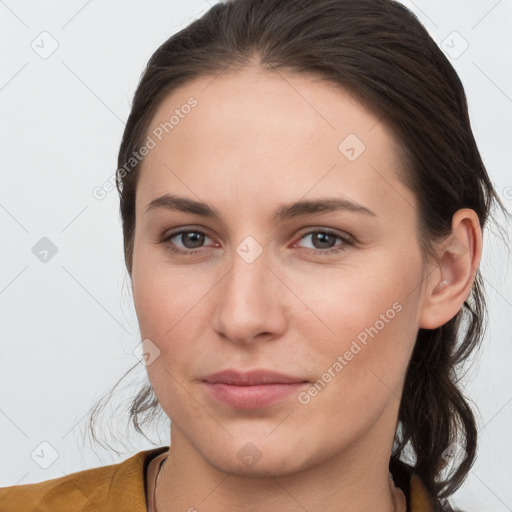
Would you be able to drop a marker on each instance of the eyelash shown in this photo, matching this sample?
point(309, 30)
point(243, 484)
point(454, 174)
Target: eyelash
point(315, 252)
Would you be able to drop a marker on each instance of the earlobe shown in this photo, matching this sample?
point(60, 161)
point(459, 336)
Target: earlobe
point(459, 257)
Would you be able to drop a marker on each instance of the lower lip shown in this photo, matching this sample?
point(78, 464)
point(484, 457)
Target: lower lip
point(252, 397)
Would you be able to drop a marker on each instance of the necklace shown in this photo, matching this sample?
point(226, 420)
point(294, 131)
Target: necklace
point(156, 482)
point(398, 507)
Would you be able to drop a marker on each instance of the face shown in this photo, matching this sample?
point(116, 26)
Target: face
point(327, 293)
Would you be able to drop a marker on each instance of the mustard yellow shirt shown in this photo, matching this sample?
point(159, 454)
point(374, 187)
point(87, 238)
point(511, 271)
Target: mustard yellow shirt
point(122, 488)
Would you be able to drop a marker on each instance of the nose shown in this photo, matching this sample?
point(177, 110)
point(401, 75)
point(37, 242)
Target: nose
point(251, 302)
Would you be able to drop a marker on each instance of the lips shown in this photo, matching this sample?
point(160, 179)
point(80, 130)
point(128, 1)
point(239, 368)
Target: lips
point(251, 378)
point(251, 389)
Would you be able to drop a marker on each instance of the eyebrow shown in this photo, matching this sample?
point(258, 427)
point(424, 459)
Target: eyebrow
point(283, 212)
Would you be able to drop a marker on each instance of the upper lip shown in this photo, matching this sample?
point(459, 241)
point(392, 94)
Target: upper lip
point(250, 378)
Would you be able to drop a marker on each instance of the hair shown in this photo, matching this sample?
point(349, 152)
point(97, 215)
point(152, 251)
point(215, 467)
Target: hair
point(378, 51)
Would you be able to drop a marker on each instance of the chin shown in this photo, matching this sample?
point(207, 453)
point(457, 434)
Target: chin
point(260, 457)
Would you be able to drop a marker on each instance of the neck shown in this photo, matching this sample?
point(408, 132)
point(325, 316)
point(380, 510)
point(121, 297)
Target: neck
point(355, 480)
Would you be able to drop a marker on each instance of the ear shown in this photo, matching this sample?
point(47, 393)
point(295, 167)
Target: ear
point(450, 282)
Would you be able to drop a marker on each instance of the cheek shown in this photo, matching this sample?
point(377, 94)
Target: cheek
point(165, 315)
point(169, 305)
point(353, 300)
point(161, 296)
point(361, 331)
point(361, 372)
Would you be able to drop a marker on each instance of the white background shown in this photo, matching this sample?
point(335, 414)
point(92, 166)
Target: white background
point(68, 327)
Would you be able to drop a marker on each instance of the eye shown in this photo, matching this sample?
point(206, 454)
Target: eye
point(192, 239)
point(324, 238)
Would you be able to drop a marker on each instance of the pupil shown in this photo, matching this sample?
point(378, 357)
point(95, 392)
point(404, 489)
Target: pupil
point(322, 237)
point(196, 238)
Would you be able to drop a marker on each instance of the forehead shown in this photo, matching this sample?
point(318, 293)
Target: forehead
point(256, 131)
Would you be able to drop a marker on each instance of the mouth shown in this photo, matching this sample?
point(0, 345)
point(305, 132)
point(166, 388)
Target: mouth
point(254, 389)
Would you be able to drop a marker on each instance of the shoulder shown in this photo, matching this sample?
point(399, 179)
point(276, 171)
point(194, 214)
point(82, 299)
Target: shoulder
point(117, 486)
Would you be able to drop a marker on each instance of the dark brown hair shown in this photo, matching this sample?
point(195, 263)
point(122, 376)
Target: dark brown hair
point(378, 51)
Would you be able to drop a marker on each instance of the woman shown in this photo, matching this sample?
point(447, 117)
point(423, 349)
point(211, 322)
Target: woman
point(303, 204)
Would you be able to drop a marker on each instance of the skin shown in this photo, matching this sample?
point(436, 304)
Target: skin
point(254, 141)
